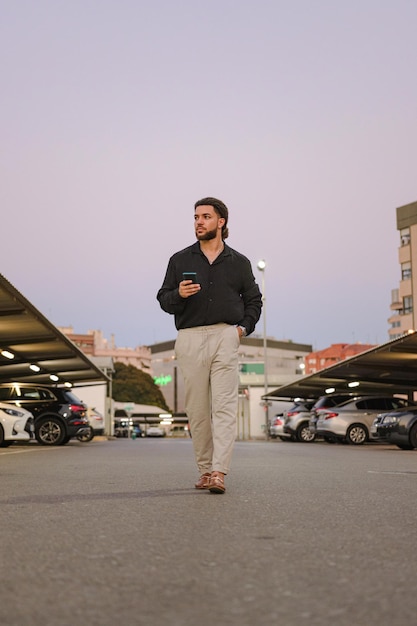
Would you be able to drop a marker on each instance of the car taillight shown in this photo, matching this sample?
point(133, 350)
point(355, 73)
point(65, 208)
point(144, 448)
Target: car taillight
point(277, 422)
point(329, 415)
point(77, 408)
point(291, 413)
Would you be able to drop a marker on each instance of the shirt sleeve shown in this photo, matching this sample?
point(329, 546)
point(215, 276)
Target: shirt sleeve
point(168, 296)
point(252, 300)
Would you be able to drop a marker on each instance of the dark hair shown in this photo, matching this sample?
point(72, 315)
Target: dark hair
point(221, 210)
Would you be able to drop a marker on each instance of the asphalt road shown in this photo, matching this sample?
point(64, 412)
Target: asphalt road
point(113, 532)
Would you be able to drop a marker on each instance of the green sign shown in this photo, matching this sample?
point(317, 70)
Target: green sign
point(162, 380)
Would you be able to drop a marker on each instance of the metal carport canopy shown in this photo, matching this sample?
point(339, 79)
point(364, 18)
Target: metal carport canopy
point(390, 368)
point(34, 341)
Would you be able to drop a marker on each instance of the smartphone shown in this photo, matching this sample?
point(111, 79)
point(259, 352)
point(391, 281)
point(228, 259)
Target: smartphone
point(190, 276)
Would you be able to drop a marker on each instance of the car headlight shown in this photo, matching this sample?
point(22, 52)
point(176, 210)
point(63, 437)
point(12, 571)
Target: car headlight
point(390, 419)
point(13, 412)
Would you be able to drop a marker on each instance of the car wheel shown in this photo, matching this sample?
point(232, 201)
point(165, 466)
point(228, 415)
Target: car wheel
point(304, 433)
point(413, 436)
point(3, 443)
point(65, 440)
point(404, 446)
point(50, 432)
point(356, 434)
point(87, 436)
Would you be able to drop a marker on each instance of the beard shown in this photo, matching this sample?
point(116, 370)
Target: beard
point(208, 235)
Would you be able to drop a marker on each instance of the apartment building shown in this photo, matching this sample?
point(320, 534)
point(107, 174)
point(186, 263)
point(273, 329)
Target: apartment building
point(95, 344)
point(335, 353)
point(403, 316)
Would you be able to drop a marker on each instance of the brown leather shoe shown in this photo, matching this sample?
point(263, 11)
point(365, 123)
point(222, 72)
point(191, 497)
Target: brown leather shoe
point(204, 481)
point(216, 484)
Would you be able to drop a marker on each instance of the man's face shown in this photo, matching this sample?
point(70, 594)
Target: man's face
point(207, 223)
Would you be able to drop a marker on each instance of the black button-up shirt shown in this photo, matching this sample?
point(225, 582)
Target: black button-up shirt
point(228, 292)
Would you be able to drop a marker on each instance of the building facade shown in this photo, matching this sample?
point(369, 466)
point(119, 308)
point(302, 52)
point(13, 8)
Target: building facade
point(403, 318)
point(94, 343)
point(335, 353)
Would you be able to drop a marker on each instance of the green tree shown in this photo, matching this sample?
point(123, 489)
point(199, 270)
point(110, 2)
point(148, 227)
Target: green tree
point(131, 384)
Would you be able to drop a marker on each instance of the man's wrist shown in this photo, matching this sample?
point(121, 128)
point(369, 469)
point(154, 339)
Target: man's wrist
point(243, 330)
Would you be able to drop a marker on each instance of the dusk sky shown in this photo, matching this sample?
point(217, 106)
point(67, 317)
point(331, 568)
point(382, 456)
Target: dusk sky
point(117, 115)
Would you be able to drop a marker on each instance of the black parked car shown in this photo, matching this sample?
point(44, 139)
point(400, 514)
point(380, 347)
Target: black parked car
point(398, 427)
point(58, 414)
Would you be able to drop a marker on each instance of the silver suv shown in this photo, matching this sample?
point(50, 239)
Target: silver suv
point(326, 402)
point(352, 420)
point(296, 422)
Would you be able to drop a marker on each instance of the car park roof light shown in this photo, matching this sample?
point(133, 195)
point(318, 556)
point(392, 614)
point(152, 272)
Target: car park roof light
point(34, 367)
point(330, 390)
point(7, 354)
point(54, 377)
point(354, 383)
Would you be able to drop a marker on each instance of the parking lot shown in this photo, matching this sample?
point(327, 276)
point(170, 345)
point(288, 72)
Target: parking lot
point(114, 532)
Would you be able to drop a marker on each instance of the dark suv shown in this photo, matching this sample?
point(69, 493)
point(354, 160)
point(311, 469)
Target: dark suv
point(59, 415)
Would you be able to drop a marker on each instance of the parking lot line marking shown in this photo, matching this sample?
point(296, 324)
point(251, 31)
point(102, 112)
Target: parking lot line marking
point(404, 473)
point(26, 450)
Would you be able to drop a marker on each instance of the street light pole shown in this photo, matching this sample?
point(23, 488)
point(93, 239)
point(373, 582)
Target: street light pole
point(261, 267)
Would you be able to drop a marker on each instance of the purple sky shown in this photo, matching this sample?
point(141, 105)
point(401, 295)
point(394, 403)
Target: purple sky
point(116, 116)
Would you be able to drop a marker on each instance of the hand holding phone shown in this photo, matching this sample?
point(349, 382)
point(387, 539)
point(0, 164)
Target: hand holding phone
point(190, 276)
point(191, 288)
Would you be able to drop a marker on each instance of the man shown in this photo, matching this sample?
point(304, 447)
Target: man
point(212, 312)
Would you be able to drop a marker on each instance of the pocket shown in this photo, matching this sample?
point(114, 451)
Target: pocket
point(180, 346)
point(234, 336)
point(177, 346)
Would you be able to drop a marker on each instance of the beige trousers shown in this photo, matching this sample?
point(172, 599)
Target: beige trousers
point(208, 359)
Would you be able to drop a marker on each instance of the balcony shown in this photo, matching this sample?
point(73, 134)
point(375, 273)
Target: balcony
point(396, 306)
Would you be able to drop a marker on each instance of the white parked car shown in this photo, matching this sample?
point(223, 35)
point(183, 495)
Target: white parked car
point(155, 431)
point(96, 420)
point(276, 427)
point(16, 424)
